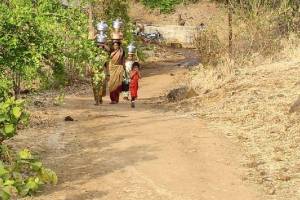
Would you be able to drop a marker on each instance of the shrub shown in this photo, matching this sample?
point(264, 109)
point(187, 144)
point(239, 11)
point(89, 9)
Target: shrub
point(165, 6)
point(22, 174)
point(258, 31)
point(34, 34)
point(5, 84)
point(209, 47)
point(12, 114)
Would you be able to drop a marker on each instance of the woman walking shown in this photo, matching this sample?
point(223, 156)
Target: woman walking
point(99, 77)
point(116, 71)
point(117, 59)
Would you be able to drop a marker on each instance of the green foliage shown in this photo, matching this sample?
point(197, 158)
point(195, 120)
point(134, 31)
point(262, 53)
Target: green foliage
point(5, 84)
point(12, 114)
point(164, 6)
point(23, 175)
point(116, 9)
point(35, 34)
point(20, 174)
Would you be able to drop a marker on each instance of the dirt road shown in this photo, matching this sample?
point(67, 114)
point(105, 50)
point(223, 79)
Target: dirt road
point(113, 152)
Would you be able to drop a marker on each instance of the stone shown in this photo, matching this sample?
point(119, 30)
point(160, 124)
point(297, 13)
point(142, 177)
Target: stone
point(69, 119)
point(39, 103)
point(181, 93)
point(271, 191)
point(207, 91)
point(296, 106)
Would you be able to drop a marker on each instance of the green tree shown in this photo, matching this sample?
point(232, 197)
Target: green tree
point(35, 34)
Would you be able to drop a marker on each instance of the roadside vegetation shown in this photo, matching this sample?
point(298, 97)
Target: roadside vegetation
point(165, 6)
point(255, 30)
point(44, 44)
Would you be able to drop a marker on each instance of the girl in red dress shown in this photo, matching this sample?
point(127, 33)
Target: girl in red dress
point(134, 83)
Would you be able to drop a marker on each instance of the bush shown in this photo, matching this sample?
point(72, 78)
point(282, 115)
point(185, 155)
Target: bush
point(22, 175)
point(12, 114)
point(165, 6)
point(5, 84)
point(209, 47)
point(42, 33)
point(257, 35)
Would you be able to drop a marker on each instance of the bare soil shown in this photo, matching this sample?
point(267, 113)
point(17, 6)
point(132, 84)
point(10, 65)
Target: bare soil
point(114, 152)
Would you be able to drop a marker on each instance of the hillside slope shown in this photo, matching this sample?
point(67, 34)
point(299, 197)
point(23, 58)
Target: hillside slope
point(251, 105)
point(194, 14)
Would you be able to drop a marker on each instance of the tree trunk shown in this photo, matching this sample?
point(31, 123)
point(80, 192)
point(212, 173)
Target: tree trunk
point(230, 31)
point(91, 27)
point(17, 84)
point(91, 31)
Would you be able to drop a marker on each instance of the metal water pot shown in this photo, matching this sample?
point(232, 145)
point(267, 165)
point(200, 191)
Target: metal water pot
point(117, 24)
point(131, 48)
point(101, 38)
point(102, 26)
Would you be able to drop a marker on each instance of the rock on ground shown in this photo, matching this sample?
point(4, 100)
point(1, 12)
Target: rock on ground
point(181, 93)
point(296, 106)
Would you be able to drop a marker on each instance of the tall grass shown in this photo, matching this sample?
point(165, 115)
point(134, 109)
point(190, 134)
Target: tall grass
point(259, 26)
point(165, 6)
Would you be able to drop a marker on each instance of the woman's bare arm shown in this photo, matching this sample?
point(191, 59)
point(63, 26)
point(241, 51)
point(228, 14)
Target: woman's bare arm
point(105, 47)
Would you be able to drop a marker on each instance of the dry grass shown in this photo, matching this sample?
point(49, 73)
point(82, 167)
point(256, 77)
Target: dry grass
point(255, 38)
point(210, 49)
point(251, 105)
point(204, 11)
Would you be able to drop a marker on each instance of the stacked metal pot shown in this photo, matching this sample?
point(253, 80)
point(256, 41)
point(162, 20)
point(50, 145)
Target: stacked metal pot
point(116, 34)
point(131, 48)
point(102, 28)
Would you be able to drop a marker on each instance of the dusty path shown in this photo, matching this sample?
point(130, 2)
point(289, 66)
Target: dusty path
point(116, 153)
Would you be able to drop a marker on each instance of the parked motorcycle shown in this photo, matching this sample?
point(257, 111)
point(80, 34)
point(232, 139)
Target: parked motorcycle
point(154, 37)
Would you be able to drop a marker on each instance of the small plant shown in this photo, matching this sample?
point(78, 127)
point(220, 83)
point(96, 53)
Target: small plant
point(59, 100)
point(12, 114)
point(5, 84)
point(23, 175)
point(165, 6)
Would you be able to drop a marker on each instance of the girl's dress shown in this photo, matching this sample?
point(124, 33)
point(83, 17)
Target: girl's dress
point(134, 84)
